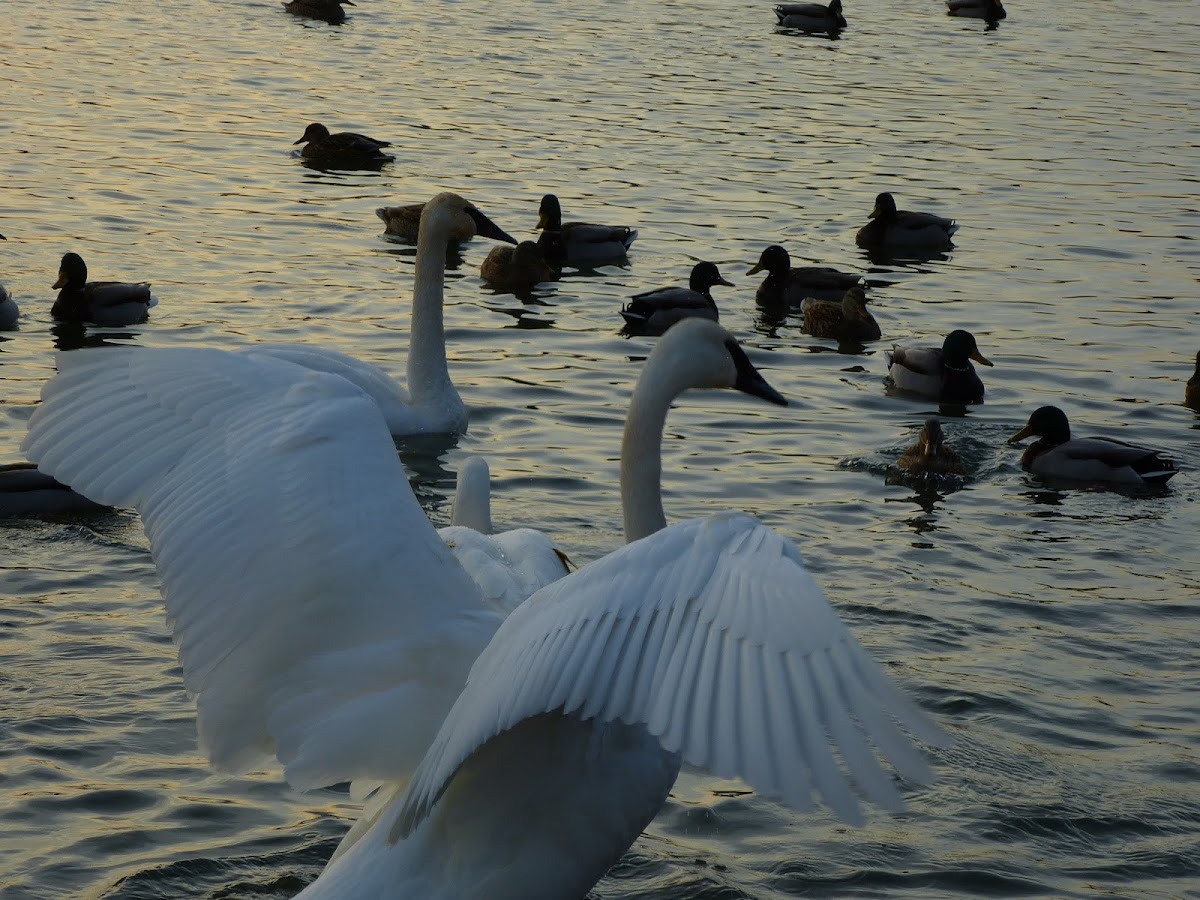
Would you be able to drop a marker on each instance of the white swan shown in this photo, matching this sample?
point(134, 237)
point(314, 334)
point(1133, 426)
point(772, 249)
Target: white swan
point(508, 566)
point(338, 631)
point(431, 404)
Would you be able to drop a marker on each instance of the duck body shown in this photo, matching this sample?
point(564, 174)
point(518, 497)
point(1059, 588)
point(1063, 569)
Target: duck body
point(844, 320)
point(1191, 393)
point(10, 312)
point(931, 455)
point(899, 231)
point(791, 285)
point(27, 491)
point(653, 312)
point(1095, 459)
point(326, 10)
point(811, 16)
point(941, 373)
point(110, 303)
point(405, 222)
point(976, 9)
point(344, 147)
point(430, 404)
point(579, 242)
point(338, 635)
point(519, 266)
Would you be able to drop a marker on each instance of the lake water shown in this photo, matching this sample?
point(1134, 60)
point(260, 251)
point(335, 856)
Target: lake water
point(1051, 629)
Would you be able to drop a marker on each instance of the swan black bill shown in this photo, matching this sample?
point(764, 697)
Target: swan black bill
point(749, 379)
point(485, 227)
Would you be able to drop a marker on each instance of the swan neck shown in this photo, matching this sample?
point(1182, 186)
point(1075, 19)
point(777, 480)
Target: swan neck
point(428, 375)
point(641, 453)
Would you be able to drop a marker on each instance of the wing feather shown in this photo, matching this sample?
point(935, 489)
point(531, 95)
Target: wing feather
point(732, 657)
point(313, 605)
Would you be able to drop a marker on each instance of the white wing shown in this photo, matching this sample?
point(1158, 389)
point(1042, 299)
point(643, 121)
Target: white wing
point(318, 617)
point(713, 634)
point(508, 567)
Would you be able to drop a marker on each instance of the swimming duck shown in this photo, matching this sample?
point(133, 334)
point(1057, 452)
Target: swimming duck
point(405, 222)
point(1191, 394)
point(344, 147)
point(519, 266)
point(941, 373)
point(327, 10)
point(1056, 455)
point(579, 242)
point(811, 16)
point(930, 455)
point(653, 312)
point(9, 311)
point(790, 284)
point(27, 491)
point(898, 230)
point(112, 303)
point(976, 9)
point(518, 756)
point(843, 320)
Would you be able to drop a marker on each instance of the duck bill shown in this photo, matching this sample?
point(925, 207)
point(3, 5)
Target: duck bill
point(301, 141)
point(62, 280)
point(1025, 432)
point(980, 358)
point(725, 282)
point(758, 268)
point(485, 227)
point(543, 221)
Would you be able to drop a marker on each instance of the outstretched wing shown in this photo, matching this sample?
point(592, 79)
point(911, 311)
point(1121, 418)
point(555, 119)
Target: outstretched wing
point(318, 616)
point(713, 634)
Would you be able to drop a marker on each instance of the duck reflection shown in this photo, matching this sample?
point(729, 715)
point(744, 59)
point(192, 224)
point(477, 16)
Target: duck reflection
point(74, 335)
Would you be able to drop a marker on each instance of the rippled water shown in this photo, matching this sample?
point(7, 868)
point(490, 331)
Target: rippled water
point(1051, 629)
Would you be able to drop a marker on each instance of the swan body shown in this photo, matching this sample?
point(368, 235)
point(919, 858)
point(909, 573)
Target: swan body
point(653, 312)
point(843, 320)
point(508, 566)
point(791, 285)
point(1098, 459)
point(899, 231)
point(519, 266)
point(25, 491)
point(343, 147)
point(405, 222)
point(579, 242)
point(338, 634)
point(976, 9)
point(430, 404)
point(811, 16)
point(941, 373)
point(931, 455)
point(327, 10)
point(1191, 393)
point(111, 303)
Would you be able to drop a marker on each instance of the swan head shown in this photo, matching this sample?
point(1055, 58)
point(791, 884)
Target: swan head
point(72, 271)
point(699, 353)
point(447, 213)
point(1047, 422)
point(314, 132)
point(885, 207)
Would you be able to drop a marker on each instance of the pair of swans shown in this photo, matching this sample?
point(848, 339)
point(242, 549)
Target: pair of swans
point(513, 757)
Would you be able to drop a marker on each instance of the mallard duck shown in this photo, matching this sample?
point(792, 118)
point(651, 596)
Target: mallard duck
point(9, 311)
point(27, 491)
point(976, 9)
point(790, 284)
point(579, 242)
point(344, 147)
point(112, 303)
point(327, 10)
point(519, 266)
point(843, 320)
point(653, 312)
point(1056, 455)
point(811, 16)
point(899, 230)
point(942, 373)
point(930, 455)
point(1191, 394)
point(405, 222)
